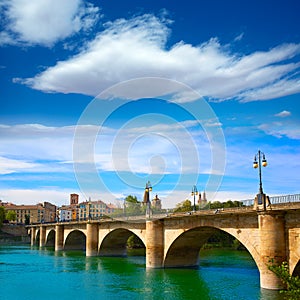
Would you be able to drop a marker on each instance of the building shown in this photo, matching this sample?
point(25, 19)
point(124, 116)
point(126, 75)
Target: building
point(69, 212)
point(156, 203)
point(2, 203)
point(64, 214)
point(84, 210)
point(202, 201)
point(39, 213)
point(94, 209)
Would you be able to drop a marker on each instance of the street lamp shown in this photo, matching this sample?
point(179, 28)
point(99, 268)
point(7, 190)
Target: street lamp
point(260, 160)
point(261, 198)
point(194, 193)
point(148, 189)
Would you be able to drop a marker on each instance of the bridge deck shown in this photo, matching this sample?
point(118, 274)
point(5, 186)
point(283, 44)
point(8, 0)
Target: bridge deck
point(208, 212)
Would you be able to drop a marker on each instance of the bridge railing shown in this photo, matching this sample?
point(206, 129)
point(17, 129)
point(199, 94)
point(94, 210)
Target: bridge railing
point(275, 200)
point(208, 207)
point(247, 202)
point(285, 199)
point(125, 215)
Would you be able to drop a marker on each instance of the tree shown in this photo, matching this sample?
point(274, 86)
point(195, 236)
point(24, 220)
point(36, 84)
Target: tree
point(131, 199)
point(291, 282)
point(134, 242)
point(11, 215)
point(216, 204)
point(2, 215)
point(227, 204)
point(184, 206)
point(132, 205)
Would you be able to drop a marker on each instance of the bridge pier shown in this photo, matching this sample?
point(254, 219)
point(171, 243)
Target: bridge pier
point(59, 237)
point(272, 247)
point(42, 236)
point(92, 239)
point(32, 236)
point(154, 244)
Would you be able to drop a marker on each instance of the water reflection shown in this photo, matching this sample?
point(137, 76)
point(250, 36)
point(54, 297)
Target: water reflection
point(222, 274)
point(177, 284)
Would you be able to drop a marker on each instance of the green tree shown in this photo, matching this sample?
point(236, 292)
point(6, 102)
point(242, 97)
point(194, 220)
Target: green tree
point(184, 206)
point(227, 204)
point(291, 282)
point(11, 215)
point(132, 205)
point(131, 199)
point(216, 204)
point(2, 215)
point(134, 242)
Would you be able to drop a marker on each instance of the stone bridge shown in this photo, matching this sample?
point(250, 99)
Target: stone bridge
point(175, 240)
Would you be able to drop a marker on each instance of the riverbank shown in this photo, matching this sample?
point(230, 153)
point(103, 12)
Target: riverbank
point(13, 234)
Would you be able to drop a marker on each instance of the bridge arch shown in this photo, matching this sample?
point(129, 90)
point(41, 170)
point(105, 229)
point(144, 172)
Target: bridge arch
point(296, 270)
point(115, 242)
point(184, 249)
point(37, 237)
point(75, 240)
point(50, 239)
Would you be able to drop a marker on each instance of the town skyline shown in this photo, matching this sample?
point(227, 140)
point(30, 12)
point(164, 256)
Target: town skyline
point(180, 94)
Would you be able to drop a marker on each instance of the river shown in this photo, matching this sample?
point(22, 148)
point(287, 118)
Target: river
point(30, 273)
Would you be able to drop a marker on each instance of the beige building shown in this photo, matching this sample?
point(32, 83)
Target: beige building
point(84, 210)
point(39, 213)
point(94, 209)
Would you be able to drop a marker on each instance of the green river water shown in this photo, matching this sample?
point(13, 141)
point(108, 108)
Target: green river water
point(30, 273)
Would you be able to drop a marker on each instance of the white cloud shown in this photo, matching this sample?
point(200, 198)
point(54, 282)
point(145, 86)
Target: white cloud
point(8, 166)
point(42, 150)
point(283, 114)
point(45, 22)
point(279, 130)
point(135, 147)
point(135, 48)
point(278, 89)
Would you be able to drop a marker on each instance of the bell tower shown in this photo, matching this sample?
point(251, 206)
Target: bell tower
point(74, 199)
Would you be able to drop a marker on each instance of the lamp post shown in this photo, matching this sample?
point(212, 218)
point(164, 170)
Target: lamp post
point(260, 160)
point(261, 198)
point(148, 189)
point(194, 193)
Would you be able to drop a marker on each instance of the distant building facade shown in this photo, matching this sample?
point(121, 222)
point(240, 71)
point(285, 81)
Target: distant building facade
point(64, 214)
point(39, 213)
point(84, 210)
point(156, 203)
point(202, 201)
point(95, 209)
point(69, 212)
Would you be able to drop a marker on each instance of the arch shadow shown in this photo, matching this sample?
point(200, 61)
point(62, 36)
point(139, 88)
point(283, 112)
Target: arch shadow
point(76, 240)
point(296, 271)
point(115, 243)
point(50, 240)
point(184, 251)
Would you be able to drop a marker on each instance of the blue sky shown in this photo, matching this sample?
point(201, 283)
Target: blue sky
point(99, 97)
